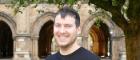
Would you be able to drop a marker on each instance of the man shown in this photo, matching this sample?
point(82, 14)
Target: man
point(66, 27)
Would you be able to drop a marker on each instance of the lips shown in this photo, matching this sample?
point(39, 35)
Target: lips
point(62, 39)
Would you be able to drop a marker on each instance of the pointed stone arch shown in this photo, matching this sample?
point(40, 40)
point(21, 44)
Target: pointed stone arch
point(40, 21)
point(116, 33)
point(8, 20)
point(36, 27)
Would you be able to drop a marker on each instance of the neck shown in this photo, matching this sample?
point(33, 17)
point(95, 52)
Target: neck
point(70, 49)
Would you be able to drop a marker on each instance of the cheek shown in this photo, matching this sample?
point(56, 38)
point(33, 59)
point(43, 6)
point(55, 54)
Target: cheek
point(55, 33)
point(73, 33)
point(55, 30)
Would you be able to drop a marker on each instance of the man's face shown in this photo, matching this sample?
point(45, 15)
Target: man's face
point(65, 30)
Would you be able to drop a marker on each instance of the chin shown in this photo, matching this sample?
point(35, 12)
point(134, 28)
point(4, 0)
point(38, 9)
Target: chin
point(63, 46)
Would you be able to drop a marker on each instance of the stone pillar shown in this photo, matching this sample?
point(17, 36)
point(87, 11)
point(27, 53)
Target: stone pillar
point(115, 49)
point(118, 48)
point(122, 53)
point(84, 42)
point(22, 47)
point(35, 48)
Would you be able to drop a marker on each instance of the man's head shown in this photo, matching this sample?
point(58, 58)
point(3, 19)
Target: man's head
point(66, 26)
point(70, 12)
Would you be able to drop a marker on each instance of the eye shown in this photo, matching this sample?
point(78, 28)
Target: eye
point(57, 25)
point(68, 25)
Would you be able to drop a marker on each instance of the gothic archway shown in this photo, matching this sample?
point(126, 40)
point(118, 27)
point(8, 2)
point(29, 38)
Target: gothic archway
point(100, 39)
point(45, 39)
point(6, 41)
point(116, 33)
point(39, 26)
point(7, 34)
point(9, 21)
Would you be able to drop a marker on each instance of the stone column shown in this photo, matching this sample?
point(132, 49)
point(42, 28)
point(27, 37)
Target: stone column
point(118, 48)
point(84, 42)
point(115, 49)
point(122, 54)
point(35, 48)
point(22, 47)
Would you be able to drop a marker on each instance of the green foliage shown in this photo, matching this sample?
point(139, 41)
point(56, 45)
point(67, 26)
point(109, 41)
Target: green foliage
point(98, 22)
point(16, 4)
point(107, 4)
point(134, 10)
point(115, 3)
point(71, 2)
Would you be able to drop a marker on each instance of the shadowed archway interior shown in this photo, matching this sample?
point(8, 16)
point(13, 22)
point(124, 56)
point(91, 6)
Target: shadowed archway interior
point(6, 41)
point(100, 39)
point(45, 39)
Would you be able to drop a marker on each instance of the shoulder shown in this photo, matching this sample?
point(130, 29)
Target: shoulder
point(52, 57)
point(89, 55)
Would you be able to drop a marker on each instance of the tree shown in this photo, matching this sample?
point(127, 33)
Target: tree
point(131, 27)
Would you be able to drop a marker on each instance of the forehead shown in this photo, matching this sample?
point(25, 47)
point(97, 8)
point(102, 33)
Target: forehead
point(67, 18)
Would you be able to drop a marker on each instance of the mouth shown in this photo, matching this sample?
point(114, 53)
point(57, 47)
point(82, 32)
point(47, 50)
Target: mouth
point(62, 38)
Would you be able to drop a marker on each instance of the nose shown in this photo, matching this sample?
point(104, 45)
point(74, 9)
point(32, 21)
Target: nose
point(62, 30)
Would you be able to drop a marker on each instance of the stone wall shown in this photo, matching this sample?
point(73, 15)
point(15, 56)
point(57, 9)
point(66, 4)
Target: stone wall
point(25, 26)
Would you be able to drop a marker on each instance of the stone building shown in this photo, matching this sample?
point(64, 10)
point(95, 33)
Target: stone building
point(28, 34)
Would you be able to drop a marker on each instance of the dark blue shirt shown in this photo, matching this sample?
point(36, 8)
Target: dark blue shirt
point(80, 54)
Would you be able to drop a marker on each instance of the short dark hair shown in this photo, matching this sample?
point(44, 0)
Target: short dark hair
point(71, 12)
